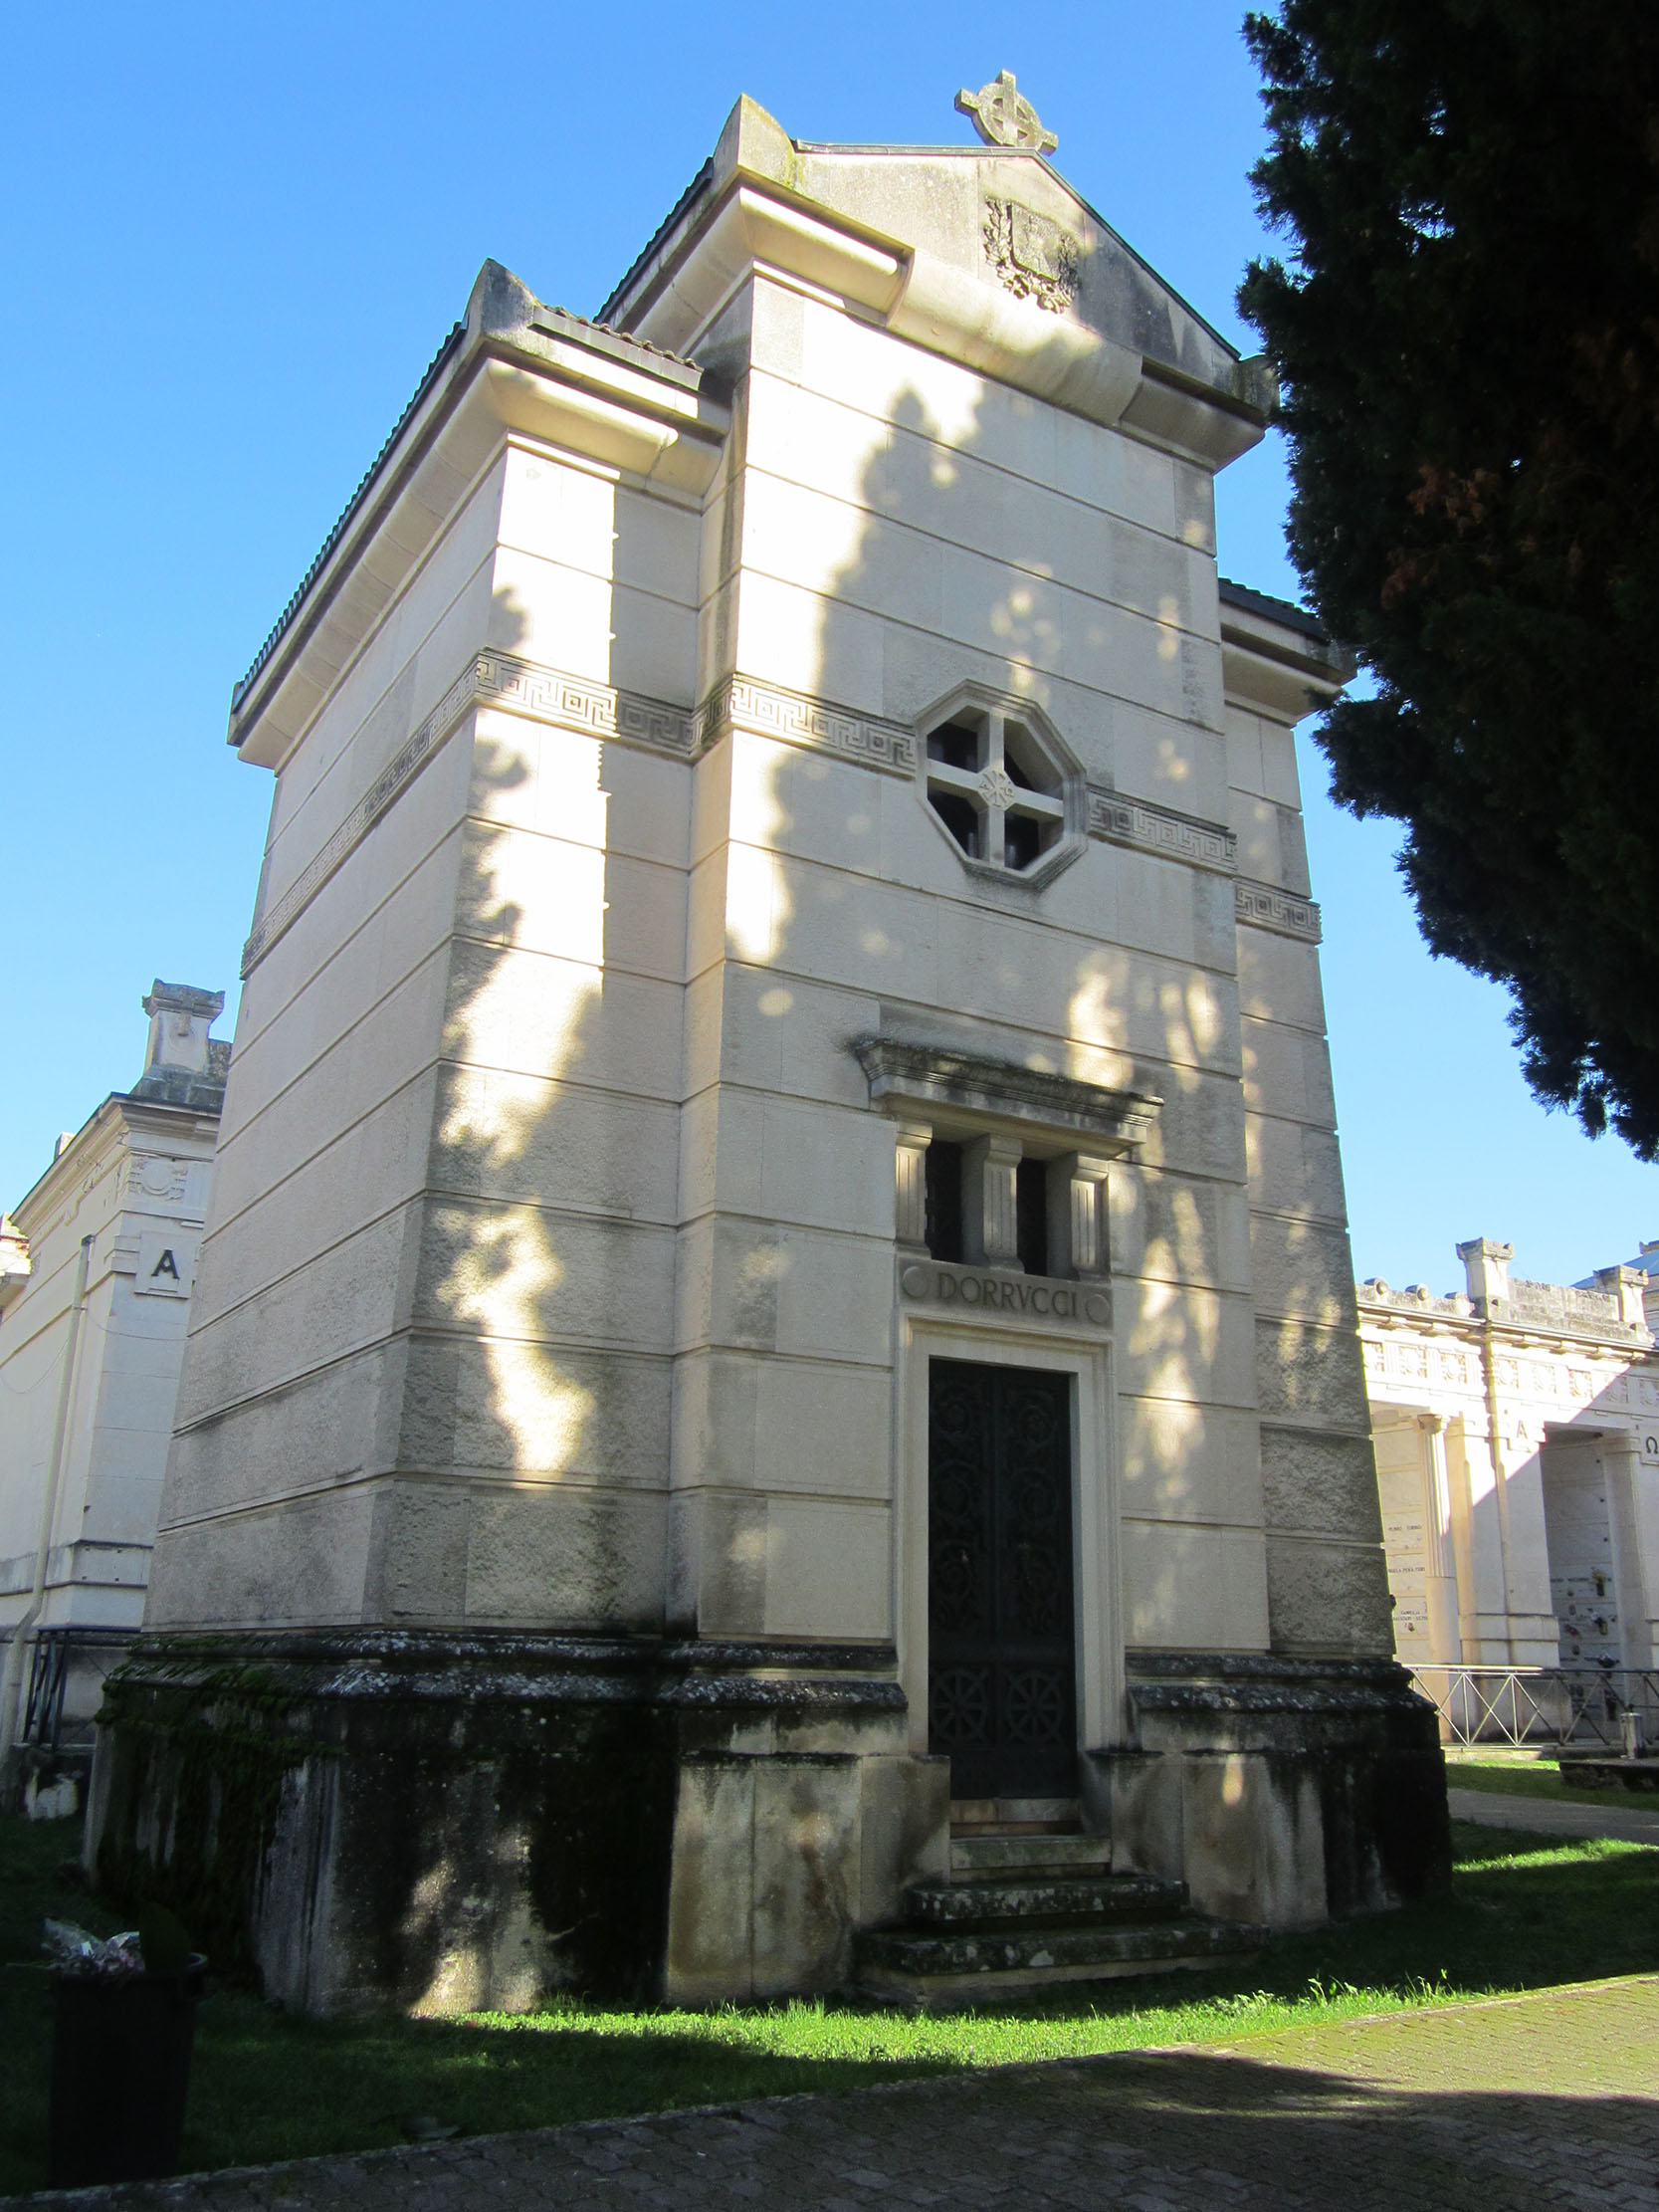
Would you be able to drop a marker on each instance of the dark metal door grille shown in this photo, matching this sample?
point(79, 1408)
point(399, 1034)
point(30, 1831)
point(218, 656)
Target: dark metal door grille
point(1002, 1662)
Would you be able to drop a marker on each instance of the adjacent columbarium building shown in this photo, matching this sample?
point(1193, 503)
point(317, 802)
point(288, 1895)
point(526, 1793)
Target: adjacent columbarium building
point(1516, 1430)
point(778, 1277)
point(95, 1270)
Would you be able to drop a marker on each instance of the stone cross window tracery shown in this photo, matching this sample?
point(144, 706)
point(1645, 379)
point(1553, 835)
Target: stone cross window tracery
point(994, 783)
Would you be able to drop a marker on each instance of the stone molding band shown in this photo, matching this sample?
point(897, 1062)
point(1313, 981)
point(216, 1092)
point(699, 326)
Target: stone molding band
point(414, 1667)
point(504, 680)
point(1265, 907)
point(796, 718)
point(1159, 829)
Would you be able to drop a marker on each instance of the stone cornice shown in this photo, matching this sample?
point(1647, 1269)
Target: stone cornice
point(905, 1073)
point(513, 365)
point(1396, 1312)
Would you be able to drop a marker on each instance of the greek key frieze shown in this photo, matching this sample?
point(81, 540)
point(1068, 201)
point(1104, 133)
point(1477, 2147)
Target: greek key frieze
point(502, 678)
point(739, 703)
point(1265, 907)
point(1132, 822)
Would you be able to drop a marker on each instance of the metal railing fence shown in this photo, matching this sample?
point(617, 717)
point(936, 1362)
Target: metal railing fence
point(50, 1660)
point(1542, 1705)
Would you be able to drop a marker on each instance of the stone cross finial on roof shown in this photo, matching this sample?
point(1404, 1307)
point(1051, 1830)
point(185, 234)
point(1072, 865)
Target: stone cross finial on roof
point(1003, 116)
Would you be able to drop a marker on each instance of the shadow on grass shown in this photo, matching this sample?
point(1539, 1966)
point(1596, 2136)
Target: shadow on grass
point(1526, 1913)
point(1309, 2139)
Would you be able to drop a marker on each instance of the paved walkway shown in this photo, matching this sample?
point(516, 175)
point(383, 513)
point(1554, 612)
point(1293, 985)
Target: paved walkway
point(1549, 1815)
point(1540, 2103)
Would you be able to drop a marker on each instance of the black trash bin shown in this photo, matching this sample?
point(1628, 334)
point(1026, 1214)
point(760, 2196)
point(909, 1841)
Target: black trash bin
point(121, 2071)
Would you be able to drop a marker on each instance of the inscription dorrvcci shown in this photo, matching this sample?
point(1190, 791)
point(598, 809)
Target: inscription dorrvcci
point(939, 1282)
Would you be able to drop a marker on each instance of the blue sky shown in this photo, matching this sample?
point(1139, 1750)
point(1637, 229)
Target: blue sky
point(235, 237)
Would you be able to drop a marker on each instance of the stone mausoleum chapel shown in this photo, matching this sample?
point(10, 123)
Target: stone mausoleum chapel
point(773, 1400)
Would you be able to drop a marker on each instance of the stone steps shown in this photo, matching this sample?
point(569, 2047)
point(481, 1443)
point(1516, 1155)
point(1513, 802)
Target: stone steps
point(959, 1906)
point(1030, 1857)
point(938, 1970)
point(1024, 1912)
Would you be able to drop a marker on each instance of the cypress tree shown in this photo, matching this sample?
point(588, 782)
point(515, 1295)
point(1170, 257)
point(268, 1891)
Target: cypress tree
point(1467, 335)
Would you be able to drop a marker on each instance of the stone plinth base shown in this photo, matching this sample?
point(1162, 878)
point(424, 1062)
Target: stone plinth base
point(446, 1823)
point(1284, 1792)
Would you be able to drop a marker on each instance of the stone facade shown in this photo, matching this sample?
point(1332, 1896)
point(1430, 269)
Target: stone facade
point(1517, 1436)
point(131, 1185)
point(785, 873)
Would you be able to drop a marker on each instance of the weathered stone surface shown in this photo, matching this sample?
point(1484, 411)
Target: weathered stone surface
point(1338, 1762)
point(1310, 1372)
point(704, 786)
point(450, 1823)
point(1328, 1596)
point(1318, 1485)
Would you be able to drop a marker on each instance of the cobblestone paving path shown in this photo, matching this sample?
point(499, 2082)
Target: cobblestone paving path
point(1541, 2103)
point(1547, 1815)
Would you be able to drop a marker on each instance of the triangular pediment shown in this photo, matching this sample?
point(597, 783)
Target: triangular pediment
point(1001, 220)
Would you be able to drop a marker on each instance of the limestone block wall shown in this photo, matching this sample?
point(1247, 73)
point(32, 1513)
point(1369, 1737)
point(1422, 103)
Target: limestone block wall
point(551, 1275)
point(890, 524)
point(1327, 1581)
point(614, 964)
point(83, 1199)
point(450, 1145)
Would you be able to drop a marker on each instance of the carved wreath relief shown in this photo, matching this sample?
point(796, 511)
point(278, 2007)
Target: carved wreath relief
point(1033, 256)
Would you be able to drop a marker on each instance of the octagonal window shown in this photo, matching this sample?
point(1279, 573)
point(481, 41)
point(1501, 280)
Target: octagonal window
point(994, 782)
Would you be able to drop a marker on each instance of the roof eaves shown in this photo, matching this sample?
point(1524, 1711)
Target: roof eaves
point(103, 1107)
point(434, 370)
point(693, 193)
point(1283, 611)
point(622, 345)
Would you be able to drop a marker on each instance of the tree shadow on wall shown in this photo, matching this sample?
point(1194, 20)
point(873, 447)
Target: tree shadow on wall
point(600, 1259)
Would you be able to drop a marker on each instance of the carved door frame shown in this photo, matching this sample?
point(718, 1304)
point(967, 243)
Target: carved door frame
point(1098, 1613)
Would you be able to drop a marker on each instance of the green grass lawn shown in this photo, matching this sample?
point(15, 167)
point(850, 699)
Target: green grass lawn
point(1527, 1774)
point(1525, 1914)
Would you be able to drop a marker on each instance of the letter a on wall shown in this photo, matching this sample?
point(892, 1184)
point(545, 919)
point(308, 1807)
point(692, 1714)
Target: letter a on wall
point(166, 1264)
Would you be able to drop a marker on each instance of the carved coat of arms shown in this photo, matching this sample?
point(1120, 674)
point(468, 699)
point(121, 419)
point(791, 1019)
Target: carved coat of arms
point(1033, 256)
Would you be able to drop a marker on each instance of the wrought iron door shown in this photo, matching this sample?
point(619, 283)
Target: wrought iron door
point(1002, 1694)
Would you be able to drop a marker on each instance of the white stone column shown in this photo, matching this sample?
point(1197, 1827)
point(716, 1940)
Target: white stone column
point(990, 1222)
point(1534, 1634)
point(1645, 1500)
point(1454, 1449)
point(1491, 1608)
point(1077, 1227)
point(1632, 1575)
point(909, 1184)
point(1444, 1632)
